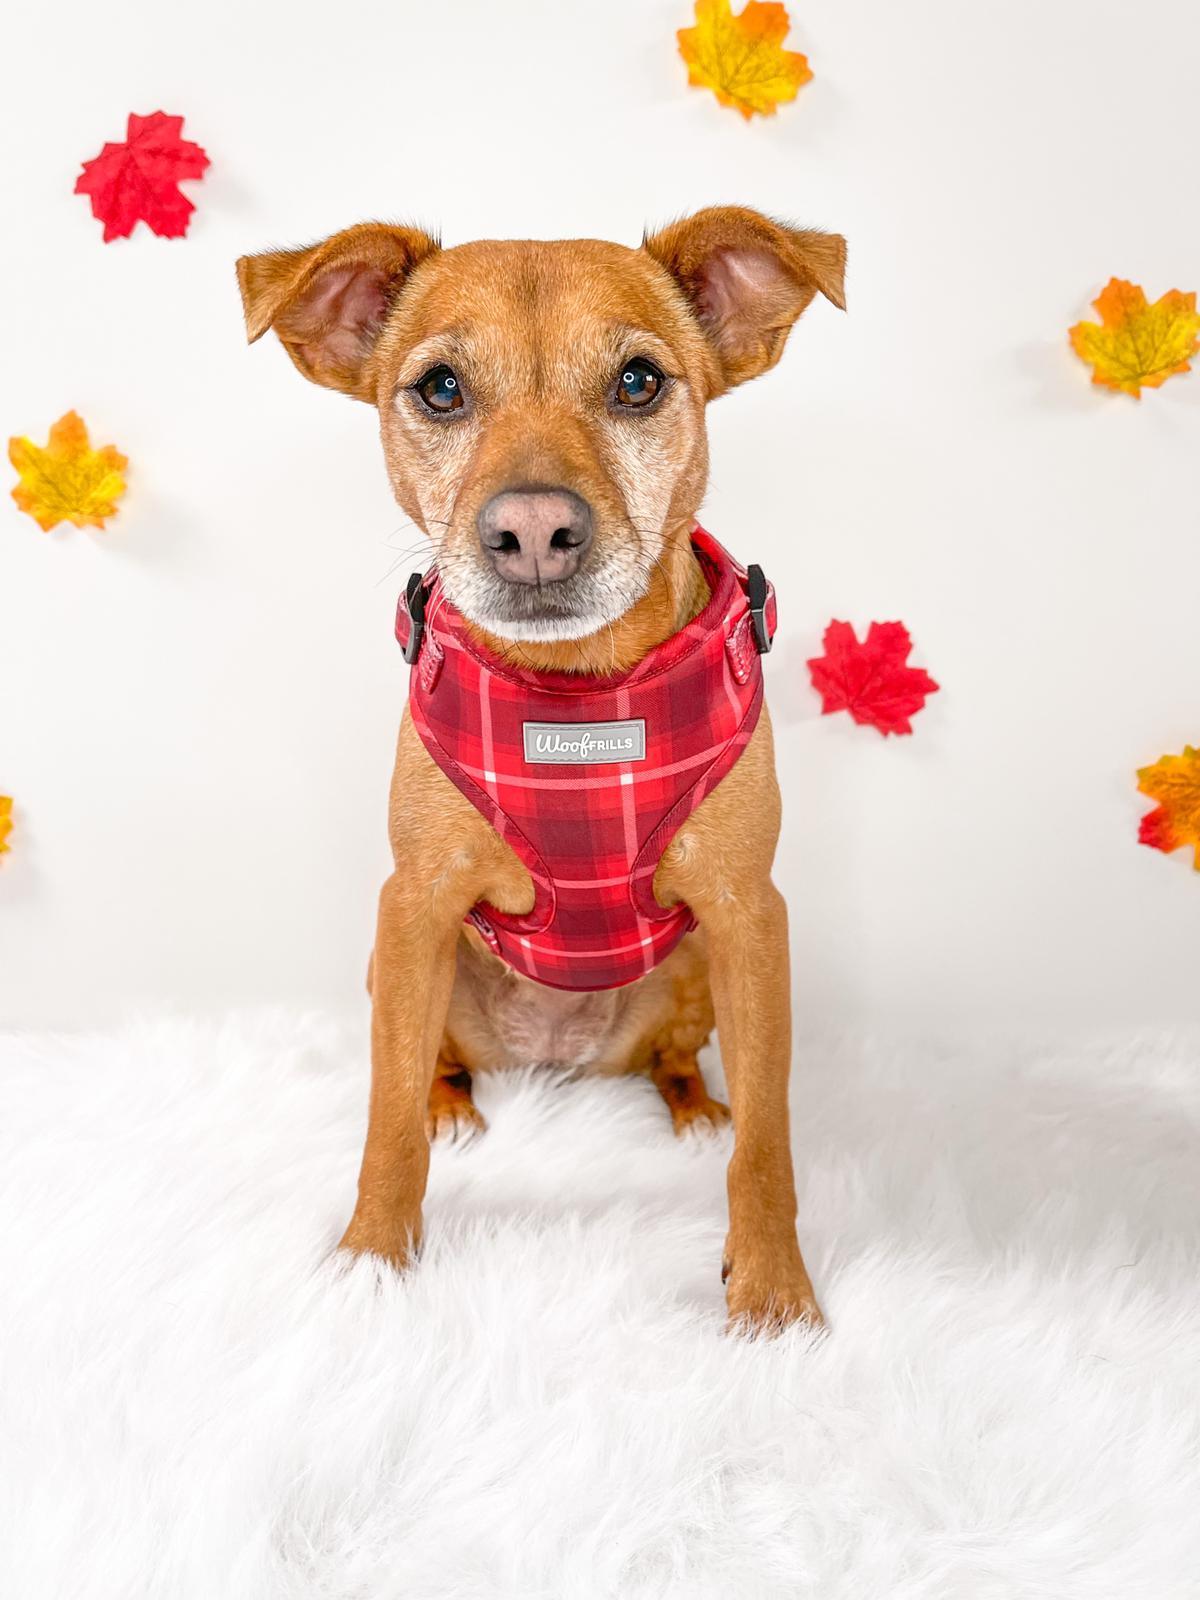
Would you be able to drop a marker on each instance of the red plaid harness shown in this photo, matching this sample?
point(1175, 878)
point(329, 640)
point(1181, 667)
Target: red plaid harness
point(589, 778)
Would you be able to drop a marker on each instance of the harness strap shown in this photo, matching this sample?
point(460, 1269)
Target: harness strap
point(590, 830)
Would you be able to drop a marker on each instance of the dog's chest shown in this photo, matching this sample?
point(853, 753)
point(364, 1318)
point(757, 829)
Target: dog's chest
point(500, 1019)
point(534, 1025)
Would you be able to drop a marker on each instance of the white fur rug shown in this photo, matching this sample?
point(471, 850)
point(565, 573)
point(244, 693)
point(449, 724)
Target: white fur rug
point(196, 1406)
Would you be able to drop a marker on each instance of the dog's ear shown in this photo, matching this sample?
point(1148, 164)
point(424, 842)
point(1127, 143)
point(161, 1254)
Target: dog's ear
point(328, 302)
point(747, 279)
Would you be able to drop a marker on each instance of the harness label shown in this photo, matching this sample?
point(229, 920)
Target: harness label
point(588, 742)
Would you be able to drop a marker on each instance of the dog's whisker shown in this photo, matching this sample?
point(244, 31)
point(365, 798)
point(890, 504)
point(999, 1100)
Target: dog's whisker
point(439, 600)
point(649, 556)
point(419, 550)
point(405, 528)
point(410, 550)
point(404, 559)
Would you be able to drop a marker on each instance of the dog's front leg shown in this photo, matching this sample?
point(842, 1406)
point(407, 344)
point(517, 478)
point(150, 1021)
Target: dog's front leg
point(412, 976)
point(445, 861)
point(767, 1284)
point(720, 865)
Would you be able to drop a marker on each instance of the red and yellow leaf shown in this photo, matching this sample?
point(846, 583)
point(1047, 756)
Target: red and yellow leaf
point(1136, 345)
point(742, 59)
point(871, 680)
point(138, 179)
point(5, 822)
point(1174, 781)
point(66, 480)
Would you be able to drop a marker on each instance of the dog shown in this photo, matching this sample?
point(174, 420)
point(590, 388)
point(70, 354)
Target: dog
point(542, 411)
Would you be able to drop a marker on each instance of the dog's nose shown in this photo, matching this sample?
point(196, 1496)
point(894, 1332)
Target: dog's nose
point(536, 535)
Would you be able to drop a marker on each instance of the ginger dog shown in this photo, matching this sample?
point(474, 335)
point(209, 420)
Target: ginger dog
point(542, 409)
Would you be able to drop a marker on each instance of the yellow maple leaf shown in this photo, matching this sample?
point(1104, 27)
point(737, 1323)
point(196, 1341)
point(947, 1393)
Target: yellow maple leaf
point(1135, 344)
point(5, 821)
point(742, 59)
point(1174, 781)
point(66, 480)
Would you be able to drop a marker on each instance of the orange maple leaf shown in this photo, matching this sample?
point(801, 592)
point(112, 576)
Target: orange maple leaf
point(1174, 781)
point(742, 59)
point(66, 480)
point(5, 821)
point(1135, 344)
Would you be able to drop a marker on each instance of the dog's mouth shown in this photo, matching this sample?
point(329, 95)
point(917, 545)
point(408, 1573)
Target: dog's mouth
point(597, 595)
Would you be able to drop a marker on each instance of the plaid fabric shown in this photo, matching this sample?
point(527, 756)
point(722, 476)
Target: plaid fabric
point(591, 834)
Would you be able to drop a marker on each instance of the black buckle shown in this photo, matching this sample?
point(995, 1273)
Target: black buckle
point(414, 600)
point(756, 594)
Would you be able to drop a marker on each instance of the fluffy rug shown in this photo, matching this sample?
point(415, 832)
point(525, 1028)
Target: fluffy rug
point(198, 1405)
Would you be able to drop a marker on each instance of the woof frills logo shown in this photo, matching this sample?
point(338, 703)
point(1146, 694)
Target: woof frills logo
point(585, 741)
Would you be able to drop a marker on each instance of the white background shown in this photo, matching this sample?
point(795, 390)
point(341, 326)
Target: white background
point(197, 707)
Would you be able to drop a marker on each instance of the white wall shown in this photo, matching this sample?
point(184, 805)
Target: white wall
point(197, 708)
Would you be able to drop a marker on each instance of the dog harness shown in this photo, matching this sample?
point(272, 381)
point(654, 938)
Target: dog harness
point(588, 778)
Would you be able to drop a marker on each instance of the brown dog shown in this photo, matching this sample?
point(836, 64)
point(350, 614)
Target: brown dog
point(500, 372)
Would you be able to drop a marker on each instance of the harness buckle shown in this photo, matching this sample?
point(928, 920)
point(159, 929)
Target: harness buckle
point(414, 600)
point(756, 596)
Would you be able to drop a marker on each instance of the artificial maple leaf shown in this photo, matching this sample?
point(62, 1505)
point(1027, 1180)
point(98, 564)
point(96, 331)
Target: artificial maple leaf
point(742, 59)
point(138, 181)
point(870, 680)
point(5, 821)
point(66, 480)
point(1136, 345)
point(1174, 781)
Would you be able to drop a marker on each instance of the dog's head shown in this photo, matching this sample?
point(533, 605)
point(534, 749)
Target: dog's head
point(542, 404)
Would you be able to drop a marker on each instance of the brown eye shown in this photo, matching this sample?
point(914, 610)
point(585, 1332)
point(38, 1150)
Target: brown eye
point(440, 390)
point(640, 383)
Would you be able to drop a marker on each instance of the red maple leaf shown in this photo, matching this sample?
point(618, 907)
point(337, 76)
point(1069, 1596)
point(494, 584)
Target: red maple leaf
point(138, 181)
point(870, 680)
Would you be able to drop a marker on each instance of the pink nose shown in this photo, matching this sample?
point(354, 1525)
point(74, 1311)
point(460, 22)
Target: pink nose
point(535, 535)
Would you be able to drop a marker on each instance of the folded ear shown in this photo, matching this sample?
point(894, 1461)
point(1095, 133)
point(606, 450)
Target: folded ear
point(328, 303)
point(748, 278)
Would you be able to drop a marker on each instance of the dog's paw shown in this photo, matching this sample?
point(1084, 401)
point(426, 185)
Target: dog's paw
point(763, 1302)
point(455, 1123)
point(705, 1118)
point(394, 1244)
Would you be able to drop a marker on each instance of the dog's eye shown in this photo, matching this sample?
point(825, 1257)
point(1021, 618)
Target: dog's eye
point(441, 390)
point(640, 383)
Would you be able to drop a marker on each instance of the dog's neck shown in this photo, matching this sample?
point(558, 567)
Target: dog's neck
point(676, 593)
